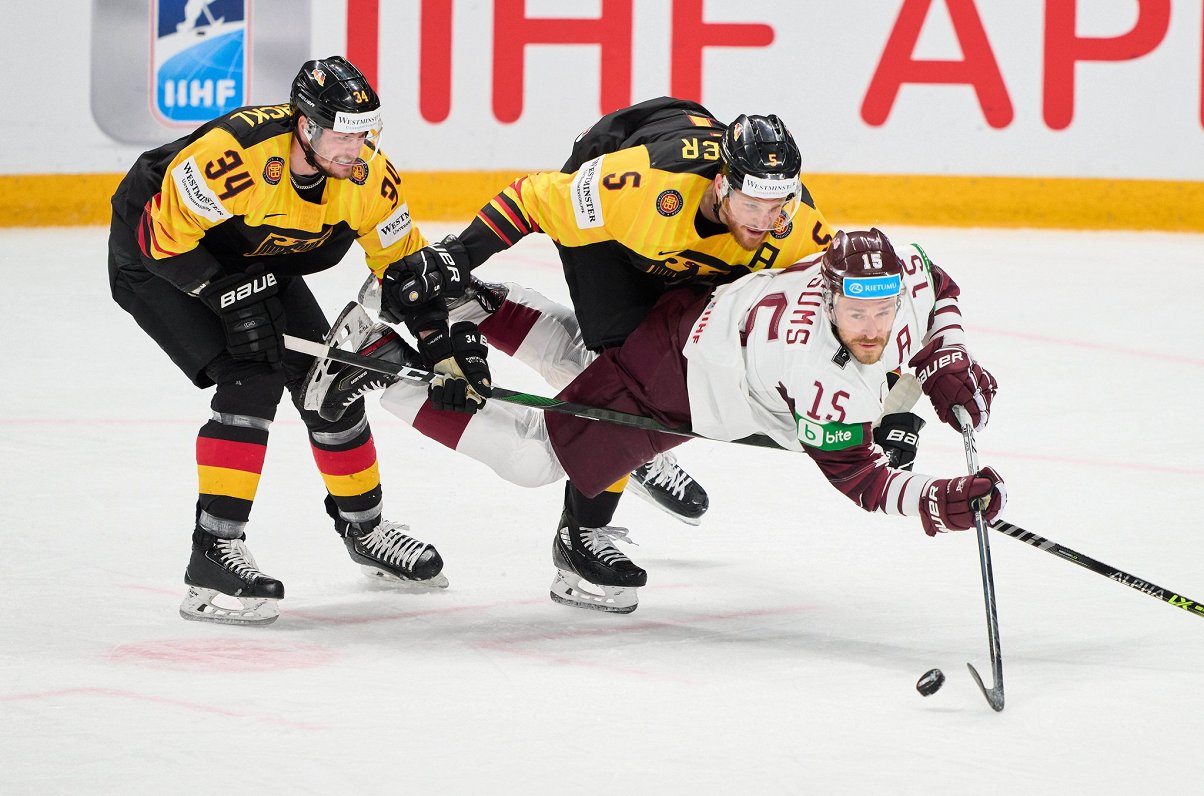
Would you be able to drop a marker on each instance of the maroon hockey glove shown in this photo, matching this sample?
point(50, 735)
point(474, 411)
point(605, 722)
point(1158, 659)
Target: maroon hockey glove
point(438, 270)
point(947, 503)
point(950, 377)
point(251, 314)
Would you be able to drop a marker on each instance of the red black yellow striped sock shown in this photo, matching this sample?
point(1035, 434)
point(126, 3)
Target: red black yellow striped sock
point(229, 462)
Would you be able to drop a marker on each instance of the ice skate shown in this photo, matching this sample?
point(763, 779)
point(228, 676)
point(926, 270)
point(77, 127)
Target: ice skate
point(225, 567)
point(487, 295)
point(591, 572)
point(671, 489)
point(331, 387)
point(384, 550)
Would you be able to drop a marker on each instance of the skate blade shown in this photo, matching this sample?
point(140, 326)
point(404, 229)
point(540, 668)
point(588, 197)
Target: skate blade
point(567, 589)
point(638, 489)
point(405, 584)
point(198, 606)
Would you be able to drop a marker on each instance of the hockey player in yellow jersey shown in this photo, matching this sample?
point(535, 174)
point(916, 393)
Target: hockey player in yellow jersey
point(211, 237)
point(654, 196)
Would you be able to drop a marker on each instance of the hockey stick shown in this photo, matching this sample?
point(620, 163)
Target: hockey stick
point(899, 398)
point(1112, 573)
point(994, 694)
point(408, 373)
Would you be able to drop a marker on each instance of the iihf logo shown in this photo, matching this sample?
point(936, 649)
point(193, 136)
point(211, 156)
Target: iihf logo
point(199, 59)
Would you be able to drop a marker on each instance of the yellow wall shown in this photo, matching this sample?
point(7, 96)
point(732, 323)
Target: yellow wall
point(69, 200)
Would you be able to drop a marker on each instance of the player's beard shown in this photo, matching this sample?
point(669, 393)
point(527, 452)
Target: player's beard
point(863, 355)
point(333, 169)
point(747, 238)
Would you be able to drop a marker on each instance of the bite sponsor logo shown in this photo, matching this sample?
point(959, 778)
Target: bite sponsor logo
point(829, 436)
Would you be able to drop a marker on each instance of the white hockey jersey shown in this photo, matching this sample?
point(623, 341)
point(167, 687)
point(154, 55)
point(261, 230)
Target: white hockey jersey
point(763, 358)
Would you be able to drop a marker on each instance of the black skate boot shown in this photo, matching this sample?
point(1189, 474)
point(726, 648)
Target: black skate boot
point(225, 566)
point(383, 550)
point(331, 387)
point(588, 556)
point(671, 489)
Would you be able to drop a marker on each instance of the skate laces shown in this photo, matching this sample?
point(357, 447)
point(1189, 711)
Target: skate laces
point(374, 382)
point(600, 542)
point(235, 556)
point(387, 543)
point(664, 472)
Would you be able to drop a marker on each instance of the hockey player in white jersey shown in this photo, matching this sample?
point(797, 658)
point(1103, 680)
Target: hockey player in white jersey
point(801, 355)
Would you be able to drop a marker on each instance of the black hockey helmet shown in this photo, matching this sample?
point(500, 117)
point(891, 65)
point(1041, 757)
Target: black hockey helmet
point(336, 95)
point(861, 265)
point(760, 157)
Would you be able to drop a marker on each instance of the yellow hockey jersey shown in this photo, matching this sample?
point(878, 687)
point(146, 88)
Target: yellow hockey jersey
point(646, 198)
point(221, 198)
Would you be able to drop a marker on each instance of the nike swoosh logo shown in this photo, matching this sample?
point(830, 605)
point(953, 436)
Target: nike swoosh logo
point(273, 215)
point(669, 253)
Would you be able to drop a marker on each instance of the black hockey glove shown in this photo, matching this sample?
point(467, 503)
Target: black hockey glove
point(251, 314)
point(899, 436)
point(458, 358)
point(439, 270)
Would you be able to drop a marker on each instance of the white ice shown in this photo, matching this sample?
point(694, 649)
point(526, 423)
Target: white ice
point(775, 649)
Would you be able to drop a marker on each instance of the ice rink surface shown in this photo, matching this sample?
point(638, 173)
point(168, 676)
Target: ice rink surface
point(776, 646)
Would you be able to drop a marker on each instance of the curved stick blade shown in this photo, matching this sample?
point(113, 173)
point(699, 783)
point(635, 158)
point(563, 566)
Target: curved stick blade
point(994, 694)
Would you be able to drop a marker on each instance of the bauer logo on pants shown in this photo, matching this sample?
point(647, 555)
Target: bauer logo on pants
point(199, 58)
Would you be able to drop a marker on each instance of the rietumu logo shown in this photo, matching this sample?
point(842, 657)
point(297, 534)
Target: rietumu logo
point(199, 63)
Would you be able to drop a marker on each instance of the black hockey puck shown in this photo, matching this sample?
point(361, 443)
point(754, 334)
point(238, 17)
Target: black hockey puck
point(930, 682)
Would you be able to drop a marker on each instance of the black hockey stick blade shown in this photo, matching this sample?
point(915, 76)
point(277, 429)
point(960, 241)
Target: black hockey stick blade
point(322, 350)
point(994, 694)
point(1110, 572)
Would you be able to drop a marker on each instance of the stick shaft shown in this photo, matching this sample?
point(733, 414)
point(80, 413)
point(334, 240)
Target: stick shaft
point(1100, 568)
point(322, 350)
point(994, 694)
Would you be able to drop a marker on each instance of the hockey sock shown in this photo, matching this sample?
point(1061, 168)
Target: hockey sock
point(346, 457)
point(229, 456)
point(590, 512)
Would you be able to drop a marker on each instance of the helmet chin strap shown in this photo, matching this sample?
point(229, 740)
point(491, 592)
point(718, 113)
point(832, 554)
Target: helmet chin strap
point(306, 148)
